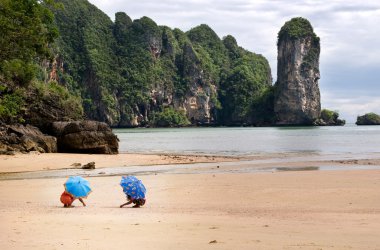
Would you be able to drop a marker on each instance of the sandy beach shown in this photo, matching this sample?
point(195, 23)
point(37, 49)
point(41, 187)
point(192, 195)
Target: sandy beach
point(337, 209)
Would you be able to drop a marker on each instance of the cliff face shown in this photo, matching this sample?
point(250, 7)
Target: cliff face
point(297, 96)
point(162, 65)
point(128, 72)
point(196, 102)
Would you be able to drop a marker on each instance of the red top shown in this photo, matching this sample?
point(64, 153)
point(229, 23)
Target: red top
point(66, 198)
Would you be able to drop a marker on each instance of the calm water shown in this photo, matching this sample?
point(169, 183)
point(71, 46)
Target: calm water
point(251, 141)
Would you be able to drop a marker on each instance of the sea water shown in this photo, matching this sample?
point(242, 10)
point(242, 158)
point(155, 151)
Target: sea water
point(238, 141)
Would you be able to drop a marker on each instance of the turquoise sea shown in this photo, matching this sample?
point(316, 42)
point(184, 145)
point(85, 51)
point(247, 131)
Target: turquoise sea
point(235, 141)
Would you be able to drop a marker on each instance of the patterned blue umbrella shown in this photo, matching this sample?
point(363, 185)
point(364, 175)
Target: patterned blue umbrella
point(133, 187)
point(77, 186)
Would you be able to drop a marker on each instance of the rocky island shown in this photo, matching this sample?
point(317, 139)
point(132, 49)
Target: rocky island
point(368, 119)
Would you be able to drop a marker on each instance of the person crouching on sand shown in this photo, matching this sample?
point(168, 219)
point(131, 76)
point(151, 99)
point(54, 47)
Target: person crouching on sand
point(67, 199)
point(138, 202)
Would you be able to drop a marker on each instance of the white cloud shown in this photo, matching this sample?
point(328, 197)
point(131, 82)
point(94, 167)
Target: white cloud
point(348, 30)
point(350, 108)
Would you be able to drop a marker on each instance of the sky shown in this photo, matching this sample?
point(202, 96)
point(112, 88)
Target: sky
point(349, 32)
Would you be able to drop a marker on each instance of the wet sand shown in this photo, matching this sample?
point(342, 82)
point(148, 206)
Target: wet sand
point(337, 209)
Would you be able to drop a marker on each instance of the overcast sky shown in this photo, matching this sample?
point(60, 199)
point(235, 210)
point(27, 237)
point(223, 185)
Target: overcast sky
point(349, 32)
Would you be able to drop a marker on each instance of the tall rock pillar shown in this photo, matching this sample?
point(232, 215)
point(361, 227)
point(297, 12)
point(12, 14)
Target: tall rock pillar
point(297, 97)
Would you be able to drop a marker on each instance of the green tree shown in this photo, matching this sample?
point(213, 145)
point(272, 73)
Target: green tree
point(27, 29)
point(169, 118)
point(11, 105)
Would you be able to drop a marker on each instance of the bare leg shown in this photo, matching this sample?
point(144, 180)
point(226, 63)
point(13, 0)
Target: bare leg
point(84, 204)
point(122, 205)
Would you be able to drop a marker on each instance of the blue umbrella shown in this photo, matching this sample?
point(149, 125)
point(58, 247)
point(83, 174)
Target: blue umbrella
point(77, 186)
point(133, 187)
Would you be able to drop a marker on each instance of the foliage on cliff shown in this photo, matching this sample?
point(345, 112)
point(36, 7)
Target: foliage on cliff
point(244, 88)
point(296, 28)
point(86, 47)
point(11, 105)
point(28, 31)
point(169, 118)
point(368, 119)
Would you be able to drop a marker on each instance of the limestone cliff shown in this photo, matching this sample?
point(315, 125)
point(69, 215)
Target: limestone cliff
point(129, 72)
point(297, 96)
point(196, 102)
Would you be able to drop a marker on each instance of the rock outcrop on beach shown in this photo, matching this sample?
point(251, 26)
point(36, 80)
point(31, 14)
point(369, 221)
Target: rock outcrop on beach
point(368, 119)
point(74, 137)
point(85, 137)
point(24, 139)
point(297, 96)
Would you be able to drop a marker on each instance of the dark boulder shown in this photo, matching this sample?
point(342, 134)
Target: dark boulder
point(20, 138)
point(90, 165)
point(85, 137)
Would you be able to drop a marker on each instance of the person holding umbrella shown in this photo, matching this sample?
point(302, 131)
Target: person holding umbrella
point(135, 191)
point(67, 199)
point(75, 188)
